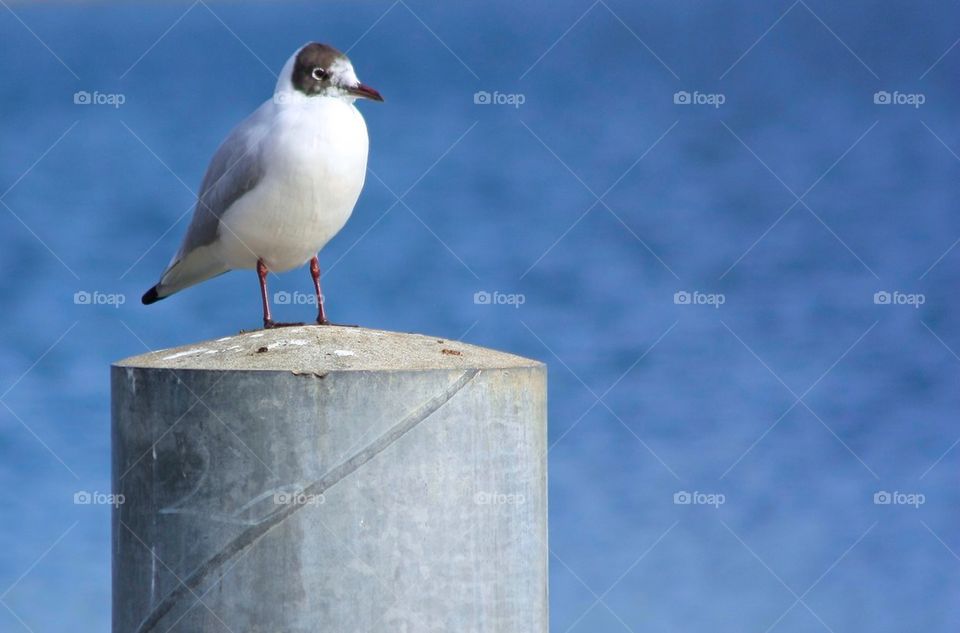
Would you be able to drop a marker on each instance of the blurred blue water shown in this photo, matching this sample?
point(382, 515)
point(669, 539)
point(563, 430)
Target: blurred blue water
point(648, 397)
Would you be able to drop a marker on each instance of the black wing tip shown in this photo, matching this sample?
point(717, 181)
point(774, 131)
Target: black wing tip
point(150, 296)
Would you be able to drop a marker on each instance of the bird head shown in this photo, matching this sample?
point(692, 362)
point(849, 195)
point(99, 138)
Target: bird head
point(319, 70)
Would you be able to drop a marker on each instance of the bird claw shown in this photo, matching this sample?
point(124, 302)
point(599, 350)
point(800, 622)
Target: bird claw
point(329, 322)
point(270, 325)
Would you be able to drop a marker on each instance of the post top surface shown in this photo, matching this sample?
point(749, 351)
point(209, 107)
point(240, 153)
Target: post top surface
point(322, 349)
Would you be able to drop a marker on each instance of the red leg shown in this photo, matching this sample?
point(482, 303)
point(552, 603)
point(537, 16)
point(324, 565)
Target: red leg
point(262, 274)
point(315, 273)
point(268, 321)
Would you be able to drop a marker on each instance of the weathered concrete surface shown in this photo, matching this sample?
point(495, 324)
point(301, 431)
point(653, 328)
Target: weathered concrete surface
point(327, 479)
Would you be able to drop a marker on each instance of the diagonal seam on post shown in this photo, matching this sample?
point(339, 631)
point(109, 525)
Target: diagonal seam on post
point(250, 536)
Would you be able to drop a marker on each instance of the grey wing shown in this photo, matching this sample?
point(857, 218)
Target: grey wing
point(235, 169)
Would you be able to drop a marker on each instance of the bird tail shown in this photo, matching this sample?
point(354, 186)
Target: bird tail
point(185, 271)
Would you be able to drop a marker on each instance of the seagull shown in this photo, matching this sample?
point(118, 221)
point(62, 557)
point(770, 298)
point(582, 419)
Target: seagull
point(283, 183)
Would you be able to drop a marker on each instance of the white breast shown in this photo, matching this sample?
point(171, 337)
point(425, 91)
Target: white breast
point(315, 157)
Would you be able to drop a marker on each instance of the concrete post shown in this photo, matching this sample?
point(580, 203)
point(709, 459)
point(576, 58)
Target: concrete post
point(329, 480)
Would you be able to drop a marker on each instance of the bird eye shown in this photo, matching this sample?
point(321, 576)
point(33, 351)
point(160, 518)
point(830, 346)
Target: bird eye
point(319, 74)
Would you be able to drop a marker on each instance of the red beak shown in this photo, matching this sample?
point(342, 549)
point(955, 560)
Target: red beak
point(366, 92)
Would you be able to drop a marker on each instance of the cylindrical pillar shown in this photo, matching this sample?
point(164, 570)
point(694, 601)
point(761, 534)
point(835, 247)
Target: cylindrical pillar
point(329, 479)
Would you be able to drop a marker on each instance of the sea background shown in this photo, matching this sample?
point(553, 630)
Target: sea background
point(785, 388)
